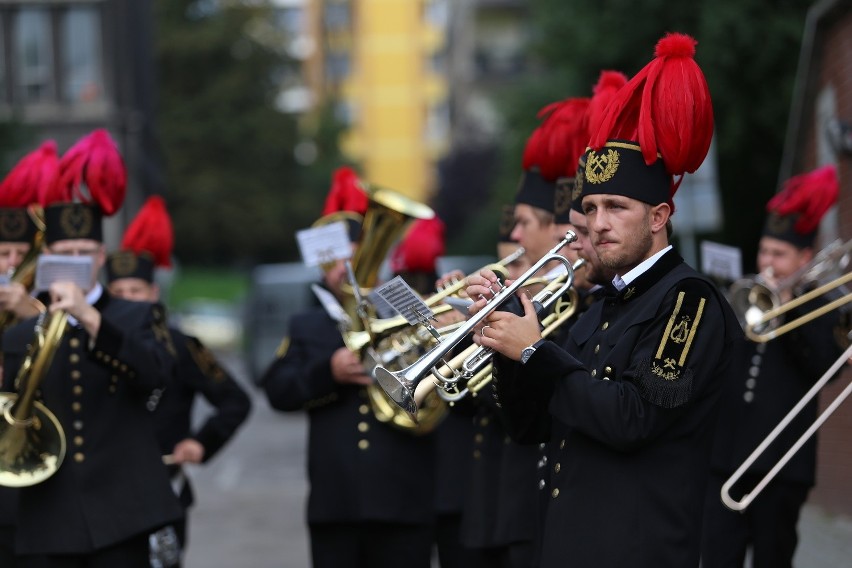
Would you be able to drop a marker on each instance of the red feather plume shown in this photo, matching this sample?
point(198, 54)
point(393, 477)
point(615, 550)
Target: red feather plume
point(151, 231)
point(93, 172)
point(666, 107)
point(31, 177)
point(609, 83)
point(421, 247)
point(810, 195)
point(557, 144)
point(346, 193)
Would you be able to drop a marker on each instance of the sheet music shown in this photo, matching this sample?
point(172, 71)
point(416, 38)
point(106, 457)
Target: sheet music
point(402, 298)
point(59, 268)
point(720, 260)
point(320, 245)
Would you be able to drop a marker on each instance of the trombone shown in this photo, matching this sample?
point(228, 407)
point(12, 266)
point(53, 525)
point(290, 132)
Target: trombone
point(759, 305)
point(741, 505)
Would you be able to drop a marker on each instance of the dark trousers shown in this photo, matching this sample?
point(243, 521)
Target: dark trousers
point(451, 552)
point(370, 545)
point(520, 554)
point(767, 526)
point(7, 547)
point(130, 553)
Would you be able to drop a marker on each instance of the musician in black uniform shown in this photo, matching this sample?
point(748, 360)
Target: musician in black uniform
point(371, 499)
point(130, 272)
point(112, 489)
point(770, 379)
point(18, 232)
point(635, 391)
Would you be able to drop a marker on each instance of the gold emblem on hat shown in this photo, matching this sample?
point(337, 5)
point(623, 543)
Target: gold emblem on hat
point(563, 194)
point(601, 167)
point(76, 222)
point(123, 263)
point(13, 224)
point(779, 224)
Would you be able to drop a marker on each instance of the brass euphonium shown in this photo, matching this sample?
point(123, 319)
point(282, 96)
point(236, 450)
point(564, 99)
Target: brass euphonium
point(32, 442)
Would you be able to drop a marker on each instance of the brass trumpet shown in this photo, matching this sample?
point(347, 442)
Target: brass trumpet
point(401, 386)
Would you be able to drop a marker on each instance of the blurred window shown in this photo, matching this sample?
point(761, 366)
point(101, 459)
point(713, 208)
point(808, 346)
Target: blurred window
point(34, 62)
point(82, 55)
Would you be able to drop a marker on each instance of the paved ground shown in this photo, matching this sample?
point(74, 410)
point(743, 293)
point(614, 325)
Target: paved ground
point(250, 501)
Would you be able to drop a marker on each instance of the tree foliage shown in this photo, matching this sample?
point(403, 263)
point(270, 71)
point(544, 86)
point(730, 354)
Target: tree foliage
point(233, 184)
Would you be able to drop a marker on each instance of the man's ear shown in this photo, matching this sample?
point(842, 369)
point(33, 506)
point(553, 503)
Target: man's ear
point(660, 215)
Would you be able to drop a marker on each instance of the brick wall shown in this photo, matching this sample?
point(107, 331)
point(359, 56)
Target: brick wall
point(833, 65)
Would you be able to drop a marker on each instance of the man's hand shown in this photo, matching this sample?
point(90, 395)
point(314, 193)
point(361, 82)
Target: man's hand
point(509, 334)
point(14, 298)
point(346, 368)
point(69, 297)
point(188, 451)
point(481, 288)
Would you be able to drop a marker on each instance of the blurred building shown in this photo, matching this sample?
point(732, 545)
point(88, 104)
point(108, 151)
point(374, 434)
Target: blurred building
point(67, 68)
point(819, 132)
point(412, 81)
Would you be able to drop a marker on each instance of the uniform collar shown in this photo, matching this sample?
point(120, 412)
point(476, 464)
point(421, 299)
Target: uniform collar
point(663, 263)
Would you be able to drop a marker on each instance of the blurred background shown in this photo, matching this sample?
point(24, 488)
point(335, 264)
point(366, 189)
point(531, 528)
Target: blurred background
point(237, 112)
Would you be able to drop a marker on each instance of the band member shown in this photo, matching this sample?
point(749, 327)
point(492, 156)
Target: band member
point(635, 391)
point(19, 232)
point(366, 477)
point(770, 379)
point(112, 489)
point(147, 246)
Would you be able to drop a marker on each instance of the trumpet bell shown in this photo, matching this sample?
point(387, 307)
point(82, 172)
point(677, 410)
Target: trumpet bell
point(398, 389)
point(30, 452)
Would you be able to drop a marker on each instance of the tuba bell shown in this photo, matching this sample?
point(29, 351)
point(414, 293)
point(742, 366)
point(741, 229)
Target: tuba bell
point(32, 442)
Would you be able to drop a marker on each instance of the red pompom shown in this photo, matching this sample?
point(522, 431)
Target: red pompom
point(92, 171)
point(151, 231)
point(346, 193)
point(810, 195)
point(675, 45)
point(32, 177)
point(421, 247)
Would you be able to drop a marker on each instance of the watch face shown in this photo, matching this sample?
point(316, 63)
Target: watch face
point(526, 354)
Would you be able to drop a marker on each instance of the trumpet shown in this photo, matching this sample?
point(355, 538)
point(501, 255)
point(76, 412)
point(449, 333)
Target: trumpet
point(759, 306)
point(746, 500)
point(401, 386)
point(473, 365)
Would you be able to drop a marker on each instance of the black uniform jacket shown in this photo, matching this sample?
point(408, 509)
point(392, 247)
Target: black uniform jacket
point(198, 372)
point(769, 380)
point(631, 420)
point(112, 484)
point(359, 468)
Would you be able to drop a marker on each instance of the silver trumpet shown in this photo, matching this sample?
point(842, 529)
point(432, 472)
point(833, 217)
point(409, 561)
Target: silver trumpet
point(403, 386)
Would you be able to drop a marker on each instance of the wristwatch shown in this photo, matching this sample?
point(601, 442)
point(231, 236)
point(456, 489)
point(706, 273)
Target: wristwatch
point(528, 351)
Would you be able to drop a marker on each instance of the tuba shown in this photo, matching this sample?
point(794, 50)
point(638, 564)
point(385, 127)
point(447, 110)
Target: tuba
point(32, 442)
point(385, 220)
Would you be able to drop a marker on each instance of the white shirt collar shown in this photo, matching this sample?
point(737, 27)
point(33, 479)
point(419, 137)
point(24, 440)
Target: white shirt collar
point(621, 282)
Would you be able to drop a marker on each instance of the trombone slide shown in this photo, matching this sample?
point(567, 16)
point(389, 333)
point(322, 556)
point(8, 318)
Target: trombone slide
point(741, 505)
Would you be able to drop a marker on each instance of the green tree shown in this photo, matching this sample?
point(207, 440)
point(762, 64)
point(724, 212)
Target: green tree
point(233, 184)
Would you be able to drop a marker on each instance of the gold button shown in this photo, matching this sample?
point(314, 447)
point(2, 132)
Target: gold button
point(74, 358)
point(123, 368)
point(483, 421)
point(114, 378)
point(607, 370)
point(99, 354)
point(605, 325)
point(562, 444)
point(74, 342)
point(107, 358)
point(597, 348)
point(78, 390)
point(76, 406)
point(78, 440)
point(555, 492)
point(507, 440)
point(594, 372)
point(112, 388)
point(478, 438)
point(605, 378)
point(557, 468)
point(115, 363)
point(79, 457)
point(78, 424)
point(75, 374)
point(363, 444)
point(477, 454)
point(363, 426)
point(364, 409)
